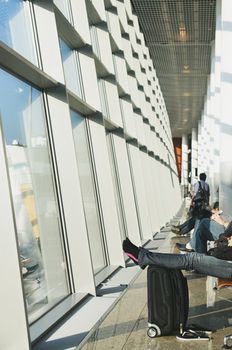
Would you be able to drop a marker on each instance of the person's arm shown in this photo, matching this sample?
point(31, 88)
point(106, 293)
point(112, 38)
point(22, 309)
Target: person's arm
point(218, 218)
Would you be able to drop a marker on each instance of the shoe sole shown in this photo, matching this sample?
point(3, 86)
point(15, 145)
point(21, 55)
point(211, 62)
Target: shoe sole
point(132, 257)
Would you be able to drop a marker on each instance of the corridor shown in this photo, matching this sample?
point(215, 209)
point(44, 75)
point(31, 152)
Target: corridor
point(126, 325)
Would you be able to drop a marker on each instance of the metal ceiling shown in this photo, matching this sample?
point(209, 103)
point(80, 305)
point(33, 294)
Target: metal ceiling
point(179, 34)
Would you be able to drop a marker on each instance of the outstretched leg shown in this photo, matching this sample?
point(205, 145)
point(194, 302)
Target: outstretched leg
point(202, 263)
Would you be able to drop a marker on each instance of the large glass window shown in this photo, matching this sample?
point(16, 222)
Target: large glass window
point(91, 205)
point(41, 250)
point(16, 28)
point(71, 71)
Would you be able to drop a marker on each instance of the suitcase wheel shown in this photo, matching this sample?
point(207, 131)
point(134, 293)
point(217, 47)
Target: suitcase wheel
point(152, 332)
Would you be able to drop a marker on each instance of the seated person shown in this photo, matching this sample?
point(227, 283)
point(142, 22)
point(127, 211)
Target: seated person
point(185, 227)
point(201, 263)
point(189, 224)
point(206, 230)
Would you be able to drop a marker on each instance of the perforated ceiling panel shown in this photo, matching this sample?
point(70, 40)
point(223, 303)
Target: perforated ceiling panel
point(179, 34)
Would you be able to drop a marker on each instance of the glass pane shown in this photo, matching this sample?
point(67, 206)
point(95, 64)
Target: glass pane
point(16, 28)
point(88, 192)
point(72, 76)
point(42, 258)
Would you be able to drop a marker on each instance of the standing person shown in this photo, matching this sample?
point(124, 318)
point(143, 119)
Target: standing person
point(201, 192)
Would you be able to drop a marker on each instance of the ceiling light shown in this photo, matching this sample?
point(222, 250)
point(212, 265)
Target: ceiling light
point(183, 34)
point(186, 94)
point(186, 109)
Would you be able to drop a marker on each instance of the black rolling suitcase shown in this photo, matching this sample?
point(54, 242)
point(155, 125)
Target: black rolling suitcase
point(168, 301)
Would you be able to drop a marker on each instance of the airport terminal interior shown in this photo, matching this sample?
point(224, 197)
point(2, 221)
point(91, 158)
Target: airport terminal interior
point(109, 112)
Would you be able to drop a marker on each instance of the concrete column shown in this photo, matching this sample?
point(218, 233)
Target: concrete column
point(207, 123)
point(225, 188)
point(214, 132)
point(199, 148)
point(194, 155)
point(184, 164)
point(217, 103)
point(202, 141)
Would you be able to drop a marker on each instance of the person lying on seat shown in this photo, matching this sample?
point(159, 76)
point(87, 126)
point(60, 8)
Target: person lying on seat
point(202, 263)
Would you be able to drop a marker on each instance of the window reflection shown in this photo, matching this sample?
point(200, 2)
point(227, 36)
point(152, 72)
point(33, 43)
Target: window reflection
point(42, 259)
point(88, 193)
point(16, 28)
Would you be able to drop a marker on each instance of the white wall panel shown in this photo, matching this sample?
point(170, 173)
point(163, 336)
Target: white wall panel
point(136, 25)
point(127, 189)
point(89, 77)
point(143, 43)
point(162, 200)
point(107, 197)
point(225, 187)
point(128, 53)
point(105, 49)
point(149, 113)
point(145, 85)
point(138, 73)
point(150, 192)
point(100, 8)
point(122, 16)
point(140, 53)
point(128, 9)
point(133, 38)
point(139, 128)
point(138, 178)
point(134, 90)
point(143, 105)
point(71, 193)
point(113, 102)
point(114, 28)
point(48, 40)
point(128, 118)
point(121, 72)
point(148, 136)
point(80, 19)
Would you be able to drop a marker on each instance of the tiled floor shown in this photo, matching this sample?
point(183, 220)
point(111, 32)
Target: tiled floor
point(125, 327)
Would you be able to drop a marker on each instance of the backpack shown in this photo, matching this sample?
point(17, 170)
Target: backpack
point(201, 197)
